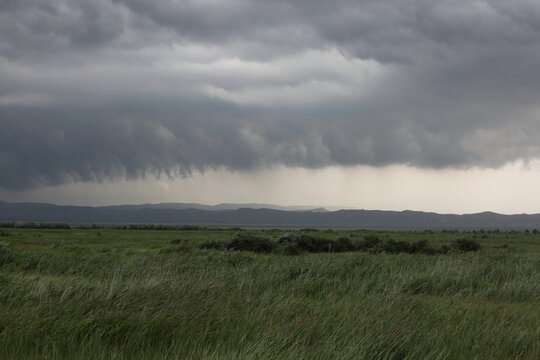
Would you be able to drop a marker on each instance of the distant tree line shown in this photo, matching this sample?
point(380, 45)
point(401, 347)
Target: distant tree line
point(60, 225)
point(57, 225)
point(33, 225)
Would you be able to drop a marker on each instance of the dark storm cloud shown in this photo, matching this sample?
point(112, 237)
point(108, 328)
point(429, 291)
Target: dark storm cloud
point(102, 90)
point(37, 28)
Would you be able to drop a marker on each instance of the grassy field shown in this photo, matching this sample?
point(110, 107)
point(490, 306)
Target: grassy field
point(123, 294)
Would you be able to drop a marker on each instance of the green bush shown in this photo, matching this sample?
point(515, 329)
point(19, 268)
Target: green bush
point(421, 246)
point(343, 244)
point(214, 244)
point(444, 249)
point(369, 242)
point(395, 247)
point(247, 242)
point(312, 244)
point(291, 249)
point(286, 238)
point(464, 245)
point(308, 243)
point(297, 243)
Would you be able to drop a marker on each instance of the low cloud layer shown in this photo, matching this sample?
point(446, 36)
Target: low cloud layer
point(104, 90)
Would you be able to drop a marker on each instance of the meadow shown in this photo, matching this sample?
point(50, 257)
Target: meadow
point(84, 293)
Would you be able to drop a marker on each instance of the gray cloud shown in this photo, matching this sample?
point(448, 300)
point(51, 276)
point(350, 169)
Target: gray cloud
point(119, 89)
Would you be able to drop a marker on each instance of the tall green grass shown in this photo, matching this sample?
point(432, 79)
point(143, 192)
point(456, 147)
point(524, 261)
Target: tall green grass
point(69, 294)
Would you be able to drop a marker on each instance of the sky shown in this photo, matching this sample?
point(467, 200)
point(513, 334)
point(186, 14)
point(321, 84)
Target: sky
point(386, 104)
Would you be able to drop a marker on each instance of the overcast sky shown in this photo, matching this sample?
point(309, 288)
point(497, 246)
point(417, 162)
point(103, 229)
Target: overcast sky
point(386, 104)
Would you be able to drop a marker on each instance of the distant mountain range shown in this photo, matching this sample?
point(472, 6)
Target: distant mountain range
point(223, 206)
point(261, 215)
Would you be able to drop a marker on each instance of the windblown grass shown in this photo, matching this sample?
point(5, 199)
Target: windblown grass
point(71, 294)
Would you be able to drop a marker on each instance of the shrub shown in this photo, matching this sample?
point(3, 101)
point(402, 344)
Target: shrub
point(395, 247)
point(4, 233)
point(391, 246)
point(285, 238)
point(464, 245)
point(444, 249)
point(291, 249)
point(369, 242)
point(423, 247)
point(343, 244)
point(214, 244)
point(247, 242)
point(312, 244)
point(420, 246)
